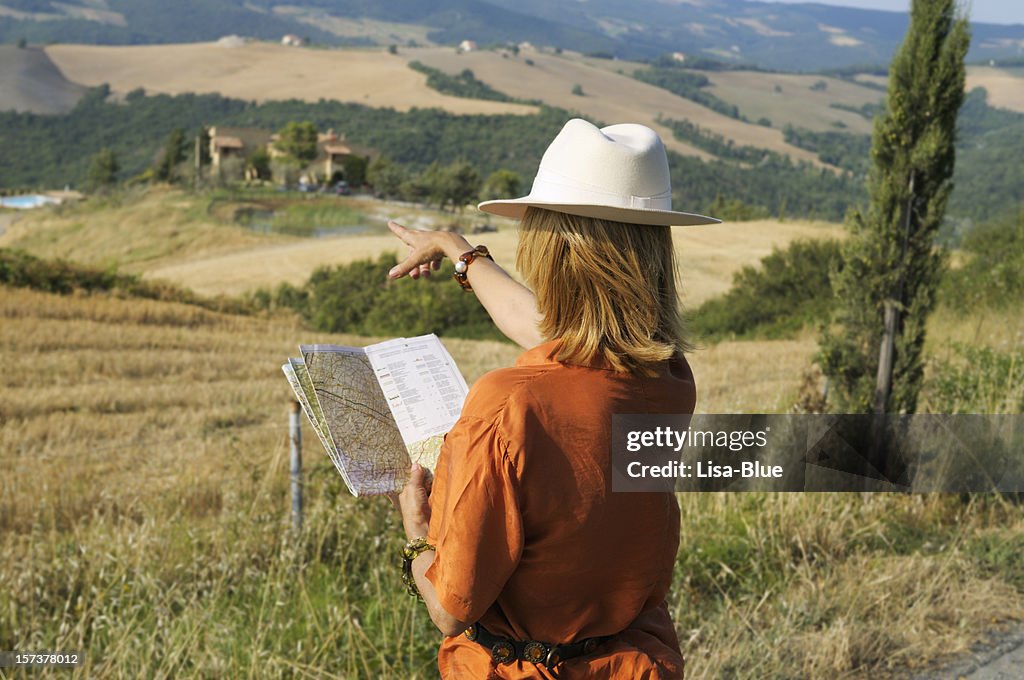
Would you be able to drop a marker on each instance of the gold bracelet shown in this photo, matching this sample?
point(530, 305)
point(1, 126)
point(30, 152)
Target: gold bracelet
point(411, 551)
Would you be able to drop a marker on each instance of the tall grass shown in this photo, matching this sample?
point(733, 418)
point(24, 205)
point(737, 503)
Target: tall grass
point(143, 521)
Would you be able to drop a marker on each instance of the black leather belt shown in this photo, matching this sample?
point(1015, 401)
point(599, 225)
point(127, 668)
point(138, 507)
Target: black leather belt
point(506, 650)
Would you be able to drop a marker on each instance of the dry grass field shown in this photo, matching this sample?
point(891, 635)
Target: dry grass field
point(608, 96)
point(708, 257)
point(264, 71)
point(371, 76)
point(794, 103)
point(96, 382)
point(143, 520)
point(29, 81)
point(131, 232)
point(167, 234)
point(1005, 87)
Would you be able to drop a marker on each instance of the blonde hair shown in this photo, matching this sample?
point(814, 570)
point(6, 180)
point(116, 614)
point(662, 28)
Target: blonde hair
point(605, 289)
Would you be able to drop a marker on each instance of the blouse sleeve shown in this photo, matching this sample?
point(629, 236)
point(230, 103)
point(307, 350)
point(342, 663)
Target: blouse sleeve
point(475, 522)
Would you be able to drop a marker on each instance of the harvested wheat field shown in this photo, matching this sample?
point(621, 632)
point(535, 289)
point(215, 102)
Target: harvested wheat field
point(785, 98)
point(708, 256)
point(608, 97)
point(264, 71)
point(1005, 87)
point(172, 235)
point(130, 231)
point(144, 516)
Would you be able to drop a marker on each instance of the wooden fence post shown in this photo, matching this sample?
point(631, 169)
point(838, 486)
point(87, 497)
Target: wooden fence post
point(295, 437)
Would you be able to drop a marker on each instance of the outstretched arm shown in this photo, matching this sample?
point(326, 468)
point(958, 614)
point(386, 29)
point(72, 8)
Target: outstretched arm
point(510, 304)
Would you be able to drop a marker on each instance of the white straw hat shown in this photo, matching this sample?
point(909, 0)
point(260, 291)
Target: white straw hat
point(618, 173)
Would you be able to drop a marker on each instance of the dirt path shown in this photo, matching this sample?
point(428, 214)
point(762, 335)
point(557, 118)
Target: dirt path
point(1001, 657)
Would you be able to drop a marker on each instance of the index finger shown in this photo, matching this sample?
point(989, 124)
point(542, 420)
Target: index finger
point(400, 231)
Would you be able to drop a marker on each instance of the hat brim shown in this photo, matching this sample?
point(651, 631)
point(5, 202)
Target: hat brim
point(516, 208)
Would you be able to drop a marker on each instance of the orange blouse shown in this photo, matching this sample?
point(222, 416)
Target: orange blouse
point(532, 543)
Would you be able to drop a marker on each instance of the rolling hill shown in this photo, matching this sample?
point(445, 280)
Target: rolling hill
point(607, 96)
point(797, 37)
point(170, 235)
point(259, 71)
point(30, 81)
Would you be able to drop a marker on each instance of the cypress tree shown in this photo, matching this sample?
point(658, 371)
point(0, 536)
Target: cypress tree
point(103, 169)
point(890, 269)
point(172, 156)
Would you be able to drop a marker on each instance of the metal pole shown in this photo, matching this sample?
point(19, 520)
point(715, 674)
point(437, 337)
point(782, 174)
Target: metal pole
point(886, 352)
point(295, 437)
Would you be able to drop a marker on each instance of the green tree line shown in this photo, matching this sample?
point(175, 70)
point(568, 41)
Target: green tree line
point(44, 151)
point(687, 84)
point(463, 84)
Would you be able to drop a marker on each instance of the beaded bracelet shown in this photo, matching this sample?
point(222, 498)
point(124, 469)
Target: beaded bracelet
point(411, 551)
point(466, 259)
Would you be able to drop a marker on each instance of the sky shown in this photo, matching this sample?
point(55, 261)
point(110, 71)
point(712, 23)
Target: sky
point(985, 11)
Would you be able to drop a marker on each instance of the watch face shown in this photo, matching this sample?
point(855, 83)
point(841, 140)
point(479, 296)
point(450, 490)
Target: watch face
point(461, 267)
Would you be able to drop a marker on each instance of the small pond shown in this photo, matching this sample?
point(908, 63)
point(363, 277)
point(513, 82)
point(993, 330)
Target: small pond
point(264, 221)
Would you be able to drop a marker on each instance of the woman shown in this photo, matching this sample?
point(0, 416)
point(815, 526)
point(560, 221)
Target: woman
point(528, 563)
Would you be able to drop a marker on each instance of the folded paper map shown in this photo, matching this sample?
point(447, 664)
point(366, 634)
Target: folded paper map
point(379, 409)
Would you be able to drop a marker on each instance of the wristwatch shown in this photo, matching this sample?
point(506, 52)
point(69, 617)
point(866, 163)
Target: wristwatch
point(466, 259)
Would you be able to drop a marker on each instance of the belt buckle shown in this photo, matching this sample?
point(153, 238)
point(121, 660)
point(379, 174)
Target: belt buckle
point(552, 658)
point(503, 652)
point(536, 652)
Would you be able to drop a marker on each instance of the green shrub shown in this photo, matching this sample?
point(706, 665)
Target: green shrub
point(977, 380)
point(790, 289)
point(22, 270)
point(357, 298)
point(993, 275)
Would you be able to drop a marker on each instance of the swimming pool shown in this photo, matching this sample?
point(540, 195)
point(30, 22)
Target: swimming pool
point(27, 201)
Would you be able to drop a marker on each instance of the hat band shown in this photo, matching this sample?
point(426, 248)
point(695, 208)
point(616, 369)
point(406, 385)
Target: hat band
point(550, 187)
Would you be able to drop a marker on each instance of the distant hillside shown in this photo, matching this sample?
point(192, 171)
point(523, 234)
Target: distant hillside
point(158, 21)
point(259, 71)
point(801, 37)
point(797, 37)
point(766, 150)
point(29, 81)
point(139, 22)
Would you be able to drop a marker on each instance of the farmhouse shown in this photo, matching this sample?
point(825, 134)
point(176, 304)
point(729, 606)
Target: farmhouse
point(235, 142)
point(333, 152)
point(467, 46)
